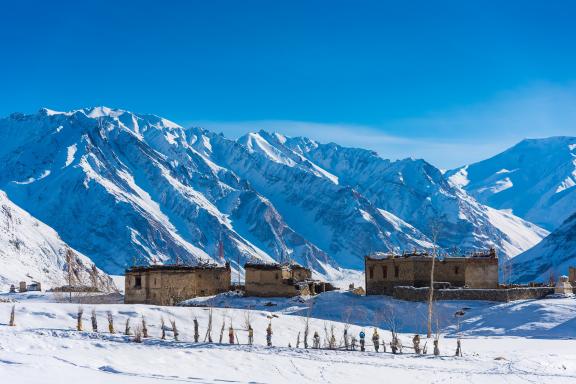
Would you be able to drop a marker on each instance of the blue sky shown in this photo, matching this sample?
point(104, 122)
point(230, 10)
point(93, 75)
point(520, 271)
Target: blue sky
point(449, 81)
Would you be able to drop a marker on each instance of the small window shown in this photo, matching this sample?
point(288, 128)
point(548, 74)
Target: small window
point(396, 271)
point(371, 272)
point(456, 270)
point(385, 271)
point(276, 276)
point(154, 281)
point(138, 282)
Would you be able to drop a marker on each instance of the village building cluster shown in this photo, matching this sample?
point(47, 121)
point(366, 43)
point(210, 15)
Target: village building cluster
point(405, 276)
point(171, 284)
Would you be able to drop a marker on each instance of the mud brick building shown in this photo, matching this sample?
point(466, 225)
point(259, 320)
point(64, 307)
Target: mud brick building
point(383, 271)
point(281, 280)
point(572, 275)
point(171, 284)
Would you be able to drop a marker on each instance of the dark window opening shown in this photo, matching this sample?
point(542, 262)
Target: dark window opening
point(371, 272)
point(385, 271)
point(396, 271)
point(138, 282)
point(456, 270)
point(276, 276)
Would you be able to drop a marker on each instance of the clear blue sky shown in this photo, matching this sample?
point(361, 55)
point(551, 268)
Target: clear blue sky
point(450, 81)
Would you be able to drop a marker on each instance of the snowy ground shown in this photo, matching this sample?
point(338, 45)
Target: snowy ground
point(521, 342)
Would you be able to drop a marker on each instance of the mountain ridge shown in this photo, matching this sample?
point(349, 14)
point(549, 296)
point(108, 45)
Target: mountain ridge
point(122, 187)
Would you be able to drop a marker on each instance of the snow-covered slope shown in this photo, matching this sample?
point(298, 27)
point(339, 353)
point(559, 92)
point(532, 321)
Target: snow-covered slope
point(417, 192)
point(553, 255)
point(124, 188)
point(528, 341)
point(536, 179)
point(336, 218)
point(128, 188)
point(30, 250)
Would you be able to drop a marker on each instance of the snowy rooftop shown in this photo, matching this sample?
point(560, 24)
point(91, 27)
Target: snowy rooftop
point(491, 253)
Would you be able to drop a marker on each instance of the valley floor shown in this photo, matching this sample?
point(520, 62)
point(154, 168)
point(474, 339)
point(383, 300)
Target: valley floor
point(522, 342)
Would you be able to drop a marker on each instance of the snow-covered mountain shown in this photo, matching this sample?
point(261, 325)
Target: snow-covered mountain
point(126, 188)
point(409, 192)
point(536, 179)
point(30, 250)
point(553, 255)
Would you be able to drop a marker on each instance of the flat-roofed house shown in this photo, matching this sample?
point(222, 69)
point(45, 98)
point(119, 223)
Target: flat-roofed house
point(384, 271)
point(281, 280)
point(171, 284)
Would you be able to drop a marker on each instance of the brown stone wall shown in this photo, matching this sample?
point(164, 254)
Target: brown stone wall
point(503, 295)
point(301, 274)
point(572, 275)
point(482, 273)
point(168, 287)
point(382, 275)
point(451, 270)
point(268, 283)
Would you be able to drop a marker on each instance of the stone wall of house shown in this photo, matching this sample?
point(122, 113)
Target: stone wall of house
point(300, 273)
point(503, 295)
point(572, 275)
point(481, 273)
point(170, 286)
point(269, 283)
point(382, 275)
point(277, 280)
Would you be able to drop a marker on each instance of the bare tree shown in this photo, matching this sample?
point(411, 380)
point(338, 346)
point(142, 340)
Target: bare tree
point(110, 322)
point(222, 330)
point(416, 344)
point(332, 341)
point(457, 316)
point(144, 328)
point(196, 331)
point(506, 270)
point(248, 325)
point(346, 320)
point(94, 321)
point(437, 339)
point(306, 320)
point(316, 340)
point(79, 319)
point(231, 333)
point(127, 327)
point(174, 329)
point(392, 320)
point(12, 322)
point(138, 334)
point(269, 334)
point(435, 227)
point(208, 336)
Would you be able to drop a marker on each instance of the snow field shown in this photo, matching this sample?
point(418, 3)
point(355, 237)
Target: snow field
point(45, 347)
